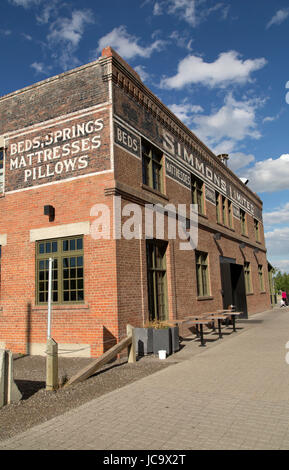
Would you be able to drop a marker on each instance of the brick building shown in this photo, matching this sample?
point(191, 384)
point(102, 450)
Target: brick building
point(97, 135)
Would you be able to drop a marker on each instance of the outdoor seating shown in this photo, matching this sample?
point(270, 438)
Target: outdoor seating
point(199, 320)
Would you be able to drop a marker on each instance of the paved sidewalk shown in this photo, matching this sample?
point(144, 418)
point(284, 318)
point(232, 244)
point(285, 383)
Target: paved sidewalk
point(231, 395)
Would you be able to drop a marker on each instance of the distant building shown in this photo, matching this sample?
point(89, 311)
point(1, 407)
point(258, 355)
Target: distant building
point(83, 138)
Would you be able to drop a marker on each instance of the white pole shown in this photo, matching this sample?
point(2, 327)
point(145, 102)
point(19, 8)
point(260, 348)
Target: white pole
point(49, 298)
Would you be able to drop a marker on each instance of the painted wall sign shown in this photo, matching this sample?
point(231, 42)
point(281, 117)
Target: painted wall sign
point(59, 151)
point(210, 195)
point(193, 159)
point(177, 173)
point(127, 139)
point(236, 212)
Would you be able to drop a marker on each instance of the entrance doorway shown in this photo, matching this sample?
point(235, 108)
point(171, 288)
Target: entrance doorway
point(233, 285)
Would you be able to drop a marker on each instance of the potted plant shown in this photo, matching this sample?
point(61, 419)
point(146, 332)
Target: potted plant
point(156, 336)
point(143, 341)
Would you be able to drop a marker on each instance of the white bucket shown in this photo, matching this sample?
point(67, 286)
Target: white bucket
point(162, 354)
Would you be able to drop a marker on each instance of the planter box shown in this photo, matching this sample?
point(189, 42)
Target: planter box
point(162, 339)
point(166, 339)
point(152, 340)
point(175, 339)
point(143, 341)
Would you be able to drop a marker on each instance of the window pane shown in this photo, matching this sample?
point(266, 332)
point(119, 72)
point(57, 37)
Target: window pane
point(41, 264)
point(41, 248)
point(73, 273)
point(79, 243)
point(65, 245)
point(80, 261)
point(66, 296)
point(80, 295)
point(72, 245)
point(54, 247)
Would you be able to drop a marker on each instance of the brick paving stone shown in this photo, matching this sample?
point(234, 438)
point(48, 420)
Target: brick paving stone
point(234, 394)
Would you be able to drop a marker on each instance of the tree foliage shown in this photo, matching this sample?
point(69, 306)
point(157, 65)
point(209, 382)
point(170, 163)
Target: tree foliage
point(281, 281)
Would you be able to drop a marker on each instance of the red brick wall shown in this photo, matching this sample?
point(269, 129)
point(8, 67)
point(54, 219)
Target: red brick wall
point(21, 320)
point(115, 270)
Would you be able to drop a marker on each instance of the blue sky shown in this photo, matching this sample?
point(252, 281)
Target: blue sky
point(221, 66)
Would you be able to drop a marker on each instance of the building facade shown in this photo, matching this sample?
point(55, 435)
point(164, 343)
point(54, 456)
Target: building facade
point(95, 141)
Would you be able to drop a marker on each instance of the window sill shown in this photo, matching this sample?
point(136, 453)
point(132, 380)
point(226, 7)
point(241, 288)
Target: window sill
point(263, 292)
point(245, 235)
point(154, 191)
point(250, 293)
point(62, 307)
point(206, 297)
point(226, 226)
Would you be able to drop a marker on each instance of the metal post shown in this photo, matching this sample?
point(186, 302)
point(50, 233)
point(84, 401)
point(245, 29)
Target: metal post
point(52, 346)
point(49, 297)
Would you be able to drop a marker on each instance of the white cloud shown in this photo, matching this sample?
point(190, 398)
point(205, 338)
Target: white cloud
point(65, 36)
point(27, 36)
point(182, 40)
point(271, 118)
point(233, 122)
point(70, 30)
point(41, 68)
point(227, 69)
point(278, 216)
point(188, 10)
point(25, 3)
point(282, 265)
point(157, 9)
point(239, 160)
point(277, 241)
point(49, 9)
point(184, 111)
point(128, 45)
point(5, 32)
point(185, 9)
point(141, 70)
point(269, 175)
point(279, 17)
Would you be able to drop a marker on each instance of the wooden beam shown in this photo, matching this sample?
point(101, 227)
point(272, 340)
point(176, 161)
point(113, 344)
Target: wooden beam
point(131, 353)
point(89, 370)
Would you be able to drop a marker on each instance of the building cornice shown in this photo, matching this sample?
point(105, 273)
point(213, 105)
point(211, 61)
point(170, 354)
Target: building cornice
point(123, 76)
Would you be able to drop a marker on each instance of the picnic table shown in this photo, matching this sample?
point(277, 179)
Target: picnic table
point(233, 315)
point(200, 319)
